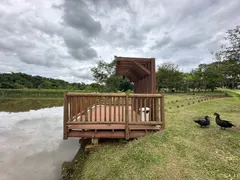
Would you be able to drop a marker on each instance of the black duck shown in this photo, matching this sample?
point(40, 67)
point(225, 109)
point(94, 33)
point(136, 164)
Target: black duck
point(222, 123)
point(203, 123)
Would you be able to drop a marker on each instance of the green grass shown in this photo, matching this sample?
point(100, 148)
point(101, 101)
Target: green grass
point(183, 96)
point(181, 151)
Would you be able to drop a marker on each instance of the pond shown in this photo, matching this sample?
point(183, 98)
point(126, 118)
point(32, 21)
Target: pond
point(31, 139)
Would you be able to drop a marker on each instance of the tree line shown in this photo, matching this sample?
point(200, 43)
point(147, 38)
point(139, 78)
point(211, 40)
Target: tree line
point(25, 81)
point(223, 72)
point(203, 78)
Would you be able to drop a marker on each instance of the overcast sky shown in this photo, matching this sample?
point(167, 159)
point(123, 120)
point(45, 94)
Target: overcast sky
point(64, 39)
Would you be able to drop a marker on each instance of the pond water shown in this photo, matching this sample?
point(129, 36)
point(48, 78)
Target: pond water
point(26, 104)
point(31, 139)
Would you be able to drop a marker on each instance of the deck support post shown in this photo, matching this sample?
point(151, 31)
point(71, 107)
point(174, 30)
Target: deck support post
point(83, 143)
point(94, 140)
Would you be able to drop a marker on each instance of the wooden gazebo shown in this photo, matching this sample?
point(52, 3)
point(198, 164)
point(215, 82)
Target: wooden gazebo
point(141, 71)
point(117, 115)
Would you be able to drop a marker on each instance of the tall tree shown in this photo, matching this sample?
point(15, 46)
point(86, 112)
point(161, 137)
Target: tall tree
point(168, 76)
point(104, 74)
point(230, 73)
point(212, 76)
point(103, 70)
point(232, 52)
point(229, 55)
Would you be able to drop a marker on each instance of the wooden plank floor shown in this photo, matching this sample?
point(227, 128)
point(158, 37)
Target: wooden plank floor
point(98, 114)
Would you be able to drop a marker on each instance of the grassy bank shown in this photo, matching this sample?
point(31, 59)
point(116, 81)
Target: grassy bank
point(18, 93)
point(182, 151)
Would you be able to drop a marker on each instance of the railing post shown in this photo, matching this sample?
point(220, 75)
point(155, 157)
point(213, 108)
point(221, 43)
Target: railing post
point(162, 111)
point(65, 116)
point(158, 116)
point(126, 117)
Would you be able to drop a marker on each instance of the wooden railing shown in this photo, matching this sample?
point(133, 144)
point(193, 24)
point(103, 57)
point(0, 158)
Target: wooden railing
point(95, 107)
point(112, 108)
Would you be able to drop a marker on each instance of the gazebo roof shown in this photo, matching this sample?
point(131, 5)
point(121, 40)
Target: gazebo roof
point(133, 68)
point(141, 71)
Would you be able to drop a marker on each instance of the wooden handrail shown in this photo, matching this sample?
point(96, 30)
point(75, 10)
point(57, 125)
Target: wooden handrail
point(113, 94)
point(97, 94)
point(146, 95)
point(152, 123)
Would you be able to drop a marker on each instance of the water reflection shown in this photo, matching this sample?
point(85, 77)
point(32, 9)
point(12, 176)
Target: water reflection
point(22, 104)
point(32, 145)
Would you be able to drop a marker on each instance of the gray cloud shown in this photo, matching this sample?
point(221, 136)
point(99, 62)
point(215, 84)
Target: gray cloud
point(119, 22)
point(23, 36)
point(83, 53)
point(105, 7)
point(196, 29)
point(190, 41)
point(76, 15)
point(114, 34)
point(73, 39)
point(135, 38)
point(2, 13)
point(29, 53)
point(196, 8)
point(162, 42)
point(80, 30)
point(78, 46)
point(117, 37)
point(46, 27)
point(10, 44)
point(82, 73)
point(47, 58)
point(126, 38)
point(188, 61)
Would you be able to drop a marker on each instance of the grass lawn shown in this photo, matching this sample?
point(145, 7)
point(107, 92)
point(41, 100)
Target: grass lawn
point(182, 151)
point(182, 96)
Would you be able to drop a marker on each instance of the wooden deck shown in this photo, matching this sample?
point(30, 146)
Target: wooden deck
point(102, 113)
point(118, 115)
